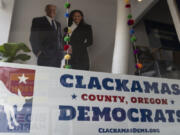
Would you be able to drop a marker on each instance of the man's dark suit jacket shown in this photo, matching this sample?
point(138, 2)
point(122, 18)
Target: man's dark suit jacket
point(81, 38)
point(46, 40)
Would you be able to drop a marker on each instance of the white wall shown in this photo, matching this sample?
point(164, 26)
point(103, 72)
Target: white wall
point(6, 10)
point(101, 14)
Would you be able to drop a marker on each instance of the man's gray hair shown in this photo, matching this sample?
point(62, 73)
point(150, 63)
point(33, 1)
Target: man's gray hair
point(48, 5)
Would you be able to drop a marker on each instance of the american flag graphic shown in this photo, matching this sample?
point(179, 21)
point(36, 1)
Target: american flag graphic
point(17, 85)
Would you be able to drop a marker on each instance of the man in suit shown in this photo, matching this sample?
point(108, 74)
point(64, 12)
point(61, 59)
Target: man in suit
point(46, 39)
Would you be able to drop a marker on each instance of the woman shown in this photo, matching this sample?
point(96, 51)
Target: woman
point(80, 39)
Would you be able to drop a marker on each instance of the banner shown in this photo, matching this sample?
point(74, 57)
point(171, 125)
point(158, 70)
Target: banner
point(50, 101)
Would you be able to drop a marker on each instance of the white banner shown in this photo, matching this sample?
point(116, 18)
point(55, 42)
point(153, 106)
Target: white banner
point(49, 101)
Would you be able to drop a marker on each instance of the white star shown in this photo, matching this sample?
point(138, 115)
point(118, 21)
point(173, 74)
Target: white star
point(22, 79)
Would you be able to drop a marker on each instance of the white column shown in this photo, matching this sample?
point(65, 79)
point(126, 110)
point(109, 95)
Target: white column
point(122, 43)
point(175, 15)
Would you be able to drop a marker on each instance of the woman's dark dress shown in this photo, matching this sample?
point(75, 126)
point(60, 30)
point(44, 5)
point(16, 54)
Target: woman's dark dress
point(81, 38)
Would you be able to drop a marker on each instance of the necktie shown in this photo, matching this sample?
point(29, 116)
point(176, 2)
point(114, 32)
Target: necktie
point(53, 25)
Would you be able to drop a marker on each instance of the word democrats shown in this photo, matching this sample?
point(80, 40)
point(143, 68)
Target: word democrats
point(82, 113)
point(116, 84)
